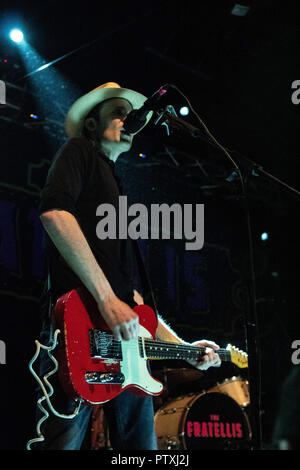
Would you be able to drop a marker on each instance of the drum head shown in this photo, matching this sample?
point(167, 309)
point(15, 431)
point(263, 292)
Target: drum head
point(216, 421)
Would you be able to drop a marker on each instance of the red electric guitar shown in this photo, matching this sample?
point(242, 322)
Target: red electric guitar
point(95, 367)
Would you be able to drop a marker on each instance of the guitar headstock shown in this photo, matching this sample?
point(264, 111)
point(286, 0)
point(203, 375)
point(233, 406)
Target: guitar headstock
point(238, 357)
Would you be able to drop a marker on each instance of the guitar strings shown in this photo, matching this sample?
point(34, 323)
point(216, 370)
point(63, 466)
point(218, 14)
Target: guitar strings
point(166, 344)
point(168, 347)
point(116, 344)
point(157, 343)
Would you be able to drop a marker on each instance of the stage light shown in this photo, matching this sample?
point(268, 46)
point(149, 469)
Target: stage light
point(184, 111)
point(264, 236)
point(16, 35)
point(142, 155)
point(43, 67)
point(33, 116)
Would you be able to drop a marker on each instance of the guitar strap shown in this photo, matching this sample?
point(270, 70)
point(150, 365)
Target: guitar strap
point(148, 293)
point(46, 306)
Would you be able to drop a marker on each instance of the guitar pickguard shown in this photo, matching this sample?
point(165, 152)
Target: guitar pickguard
point(135, 368)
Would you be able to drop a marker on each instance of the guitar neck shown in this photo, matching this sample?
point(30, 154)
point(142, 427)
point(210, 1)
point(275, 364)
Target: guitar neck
point(168, 350)
point(103, 345)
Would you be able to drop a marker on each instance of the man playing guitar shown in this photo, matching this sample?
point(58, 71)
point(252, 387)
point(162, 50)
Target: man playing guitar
point(80, 178)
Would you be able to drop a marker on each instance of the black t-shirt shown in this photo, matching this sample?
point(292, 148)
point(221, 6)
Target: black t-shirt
point(79, 180)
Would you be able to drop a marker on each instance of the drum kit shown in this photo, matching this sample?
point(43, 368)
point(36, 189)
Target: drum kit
point(213, 418)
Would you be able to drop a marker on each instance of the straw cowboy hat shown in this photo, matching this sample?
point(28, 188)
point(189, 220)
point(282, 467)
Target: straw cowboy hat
point(81, 108)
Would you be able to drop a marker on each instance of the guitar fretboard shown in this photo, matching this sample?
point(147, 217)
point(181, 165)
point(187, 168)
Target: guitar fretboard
point(169, 350)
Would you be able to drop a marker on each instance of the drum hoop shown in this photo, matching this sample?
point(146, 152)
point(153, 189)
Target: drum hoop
point(194, 397)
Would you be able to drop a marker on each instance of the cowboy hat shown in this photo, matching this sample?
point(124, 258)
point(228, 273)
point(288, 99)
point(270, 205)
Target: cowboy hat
point(81, 108)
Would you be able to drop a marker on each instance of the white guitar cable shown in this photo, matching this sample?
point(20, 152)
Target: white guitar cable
point(46, 395)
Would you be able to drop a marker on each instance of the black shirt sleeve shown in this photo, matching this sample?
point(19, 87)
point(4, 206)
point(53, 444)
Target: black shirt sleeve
point(66, 178)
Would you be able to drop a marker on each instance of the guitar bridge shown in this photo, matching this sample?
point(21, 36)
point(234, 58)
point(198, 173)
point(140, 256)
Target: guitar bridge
point(93, 377)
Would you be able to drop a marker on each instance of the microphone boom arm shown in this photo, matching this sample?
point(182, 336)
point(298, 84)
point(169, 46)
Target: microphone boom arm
point(173, 121)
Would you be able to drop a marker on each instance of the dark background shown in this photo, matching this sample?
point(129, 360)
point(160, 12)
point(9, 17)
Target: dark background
point(237, 72)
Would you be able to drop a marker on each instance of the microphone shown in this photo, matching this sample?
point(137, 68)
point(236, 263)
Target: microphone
point(137, 118)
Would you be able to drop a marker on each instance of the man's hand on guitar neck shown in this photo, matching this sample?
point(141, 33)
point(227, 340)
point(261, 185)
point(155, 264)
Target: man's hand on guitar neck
point(210, 359)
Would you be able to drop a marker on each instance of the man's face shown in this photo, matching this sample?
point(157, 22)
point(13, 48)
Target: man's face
point(111, 123)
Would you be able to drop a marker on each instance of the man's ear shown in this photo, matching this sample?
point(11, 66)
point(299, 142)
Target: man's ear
point(90, 124)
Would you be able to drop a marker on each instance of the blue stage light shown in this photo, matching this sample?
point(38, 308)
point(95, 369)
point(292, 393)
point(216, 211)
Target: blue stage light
point(16, 35)
point(264, 236)
point(184, 111)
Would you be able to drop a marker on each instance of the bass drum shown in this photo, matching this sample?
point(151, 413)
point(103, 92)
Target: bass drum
point(202, 421)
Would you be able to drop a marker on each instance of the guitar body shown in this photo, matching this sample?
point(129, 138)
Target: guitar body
point(76, 315)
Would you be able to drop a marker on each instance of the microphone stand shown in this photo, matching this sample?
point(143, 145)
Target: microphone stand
point(169, 118)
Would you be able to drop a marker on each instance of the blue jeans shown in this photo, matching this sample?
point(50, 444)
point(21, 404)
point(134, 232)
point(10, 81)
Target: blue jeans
point(130, 419)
